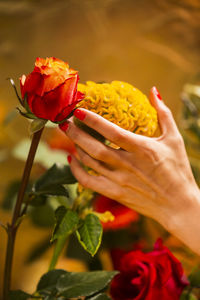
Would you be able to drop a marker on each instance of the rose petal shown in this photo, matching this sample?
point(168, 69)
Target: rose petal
point(124, 216)
point(150, 276)
point(65, 112)
point(56, 104)
point(40, 84)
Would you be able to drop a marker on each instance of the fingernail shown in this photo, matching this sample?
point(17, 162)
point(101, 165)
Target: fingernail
point(157, 93)
point(79, 114)
point(69, 158)
point(64, 126)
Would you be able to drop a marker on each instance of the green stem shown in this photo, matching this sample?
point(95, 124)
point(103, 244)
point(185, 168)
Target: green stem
point(60, 244)
point(12, 228)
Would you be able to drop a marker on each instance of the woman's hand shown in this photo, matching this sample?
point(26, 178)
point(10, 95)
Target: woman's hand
point(150, 175)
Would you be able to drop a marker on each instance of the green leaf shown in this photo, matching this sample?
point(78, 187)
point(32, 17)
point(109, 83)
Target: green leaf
point(52, 181)
point(194, 277)
point(49, 280)
point(185, 296)
point(42, 216)
point(52, 190)
point(15, 89)
point(66, 222)
point(25, 114)
point(57, 175)
point(36, 125)
point(51, 125)
point(90, 234)
point(50, 297)
point(25, 104)
point(75, 251)
point(61, 200)
point(19, 295)
point(78, 284)
point(38, 200)
point(99, 297)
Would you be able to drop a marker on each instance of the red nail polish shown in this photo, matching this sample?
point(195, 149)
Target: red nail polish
point(69, 158)
point(79, 114)
point(157, 93)
point(64, 126)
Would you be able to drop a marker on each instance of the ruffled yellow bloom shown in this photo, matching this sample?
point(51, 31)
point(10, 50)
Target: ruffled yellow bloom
point(122, 104)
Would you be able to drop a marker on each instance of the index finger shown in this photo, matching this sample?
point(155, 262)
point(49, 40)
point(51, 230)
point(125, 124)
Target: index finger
point(123, 138)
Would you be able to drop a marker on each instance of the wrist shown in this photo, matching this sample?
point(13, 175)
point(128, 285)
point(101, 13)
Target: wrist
point(185, 222)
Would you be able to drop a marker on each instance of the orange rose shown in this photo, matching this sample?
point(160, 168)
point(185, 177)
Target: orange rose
point(51, 89)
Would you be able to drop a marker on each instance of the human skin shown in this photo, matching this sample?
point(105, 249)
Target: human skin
point(150, 175)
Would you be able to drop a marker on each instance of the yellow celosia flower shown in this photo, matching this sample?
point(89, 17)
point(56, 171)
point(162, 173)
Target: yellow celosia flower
point(122, 104)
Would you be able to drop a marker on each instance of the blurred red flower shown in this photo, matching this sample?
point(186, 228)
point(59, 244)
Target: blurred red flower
point(59, 140)
point(51, 89)
point(124, 216)
point(150, 276)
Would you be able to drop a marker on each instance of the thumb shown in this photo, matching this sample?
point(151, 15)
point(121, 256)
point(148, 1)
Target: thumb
point(165, 117)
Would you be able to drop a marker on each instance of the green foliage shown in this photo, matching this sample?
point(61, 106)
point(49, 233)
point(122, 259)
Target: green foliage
point(75, 250)
point(190, 125)
point(18, 295)
point(57, 174)
point(56, 189)
point(188, 296)
point(51, 182)
point(36, 125)
point(75, 284)
point(37, 200)
point(99, 297)
point(50, 186)
point(191, 113)
point(60, 284)
point(194, 278)
point(42, 216)
point(66, 222)
point(90, 234)
point(49, 280)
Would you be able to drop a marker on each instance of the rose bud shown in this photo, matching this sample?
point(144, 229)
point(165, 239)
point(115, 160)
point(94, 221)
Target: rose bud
point(51, 89)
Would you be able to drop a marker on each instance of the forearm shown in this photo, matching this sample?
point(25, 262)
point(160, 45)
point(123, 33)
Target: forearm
point(185, 224)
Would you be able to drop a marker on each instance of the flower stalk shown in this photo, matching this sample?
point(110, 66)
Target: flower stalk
point(17, 214)
point(59, 246)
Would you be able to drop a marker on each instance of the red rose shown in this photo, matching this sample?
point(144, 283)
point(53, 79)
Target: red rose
point(156, 275)
point(51, 89)
point(124, 216)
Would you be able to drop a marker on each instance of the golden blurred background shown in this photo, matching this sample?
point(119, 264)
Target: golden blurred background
point(142, 42)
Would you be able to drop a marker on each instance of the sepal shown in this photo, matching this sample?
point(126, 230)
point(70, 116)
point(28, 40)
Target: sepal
point(15, 89)
point(37, 125)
